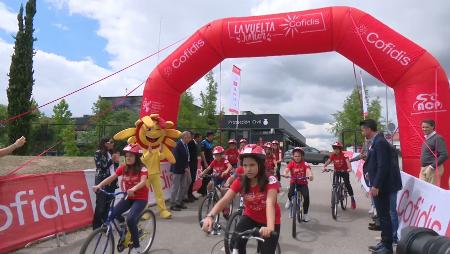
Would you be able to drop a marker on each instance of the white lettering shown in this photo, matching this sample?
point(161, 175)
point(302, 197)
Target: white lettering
point(388, 48)
point(19, 204)
point(58, 205)
point(189, 52)
point(9, 217)
point(78, 200)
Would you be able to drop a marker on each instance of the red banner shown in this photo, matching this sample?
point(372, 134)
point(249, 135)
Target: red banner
point(35, 206)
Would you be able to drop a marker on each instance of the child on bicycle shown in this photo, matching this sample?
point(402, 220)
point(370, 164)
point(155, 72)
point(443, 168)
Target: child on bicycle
point(342, 168)
point(232, 153)
point(242, 143)
point(298, 168)
point(260, 201)
point(270, 162)
point(134, 177)
point(220, 166)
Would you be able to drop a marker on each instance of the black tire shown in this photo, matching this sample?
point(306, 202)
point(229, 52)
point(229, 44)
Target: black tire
point(278, 250)
point(294, 219)
point(300, 212)
point(205, 207)
point(315, 163)
point(334, 204)
point(344, 198)
point(231, 225)
point(93, 242)
point(147, 229)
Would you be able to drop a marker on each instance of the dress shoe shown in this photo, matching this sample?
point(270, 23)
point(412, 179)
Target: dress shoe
point(375, 228)
point(383, 250)
point(376, 247)
point(182, 206)
point(175, 208)
point(192, 198)
point(372, 224)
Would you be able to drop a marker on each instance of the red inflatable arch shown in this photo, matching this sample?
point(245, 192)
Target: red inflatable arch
point(420, 84)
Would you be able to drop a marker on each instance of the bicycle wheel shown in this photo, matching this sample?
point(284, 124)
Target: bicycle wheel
point(294, 212)
point(205, 207)
point(231, 226)
point(278, 250)
point(147, 229)
point(227, 212)
point(99, 241)
point(300, 211)
point(344, 197)
point(334, 203)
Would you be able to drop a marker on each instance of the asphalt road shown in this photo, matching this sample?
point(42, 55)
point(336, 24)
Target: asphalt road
point(348, 234)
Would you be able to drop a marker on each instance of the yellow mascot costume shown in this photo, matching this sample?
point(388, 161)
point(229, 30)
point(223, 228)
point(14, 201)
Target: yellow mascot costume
point(156, 138)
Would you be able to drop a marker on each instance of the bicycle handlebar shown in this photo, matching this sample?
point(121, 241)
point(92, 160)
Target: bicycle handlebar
point(327, 170)
point(297, 177)
point(113, 194)
point(254, 232)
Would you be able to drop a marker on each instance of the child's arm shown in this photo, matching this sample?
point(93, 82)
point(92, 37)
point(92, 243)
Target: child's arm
point(348, 164)
point(309, 174)
point(286, 171)
point(205, 171)
point(326, 164)
point(105, 182)
point(140, 185)
point(227, 170)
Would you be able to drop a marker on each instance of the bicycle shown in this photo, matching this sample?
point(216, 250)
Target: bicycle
point(249, 235)
point(296, 211)
point(101, 240)
point(339, 194)
point(231, 225)
point(211, 198)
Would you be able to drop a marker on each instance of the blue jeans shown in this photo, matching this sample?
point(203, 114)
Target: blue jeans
point(136, 207)
point(393, 213)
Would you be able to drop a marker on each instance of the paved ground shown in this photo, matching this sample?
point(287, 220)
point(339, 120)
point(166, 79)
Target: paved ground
point(322, 234)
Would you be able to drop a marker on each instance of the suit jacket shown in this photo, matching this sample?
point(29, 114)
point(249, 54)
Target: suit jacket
point(383, 174)
point(193, 152)
point(181, 156)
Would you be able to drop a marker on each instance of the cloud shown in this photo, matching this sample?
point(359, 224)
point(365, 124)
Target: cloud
point(8, 19)
point(61, 27)
point(305, 89)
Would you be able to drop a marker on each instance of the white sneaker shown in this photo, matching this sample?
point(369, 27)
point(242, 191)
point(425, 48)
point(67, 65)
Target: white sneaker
point(305, 217)
point(371, 210)
point(137, 250)
point(288, 204)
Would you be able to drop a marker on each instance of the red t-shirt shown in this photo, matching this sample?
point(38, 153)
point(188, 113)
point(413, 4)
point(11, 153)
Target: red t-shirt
point(339, 161)
point(255, 201)
point(220, 166)
point(270, 165)
point(232, 155)
point(298, 170)
point(129, 180)
point(277, 153)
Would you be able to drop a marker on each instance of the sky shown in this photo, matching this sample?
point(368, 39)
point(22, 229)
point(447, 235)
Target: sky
point(81, 41)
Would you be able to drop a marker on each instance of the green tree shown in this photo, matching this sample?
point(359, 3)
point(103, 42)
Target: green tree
point(65, 128)
point(21, 76)
point(189, 114)
point(3, 131)
point(209, 103)
point(347, 121)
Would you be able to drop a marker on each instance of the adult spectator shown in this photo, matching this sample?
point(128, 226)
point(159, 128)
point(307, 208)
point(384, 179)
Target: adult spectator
point(207, 157)
point(104, 167)
point(384, 180)
point(193, 153)
point(434, 154)
point(180, 172)
point(9, 149)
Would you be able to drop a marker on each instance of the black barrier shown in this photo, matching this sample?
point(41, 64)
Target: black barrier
point(416, 240)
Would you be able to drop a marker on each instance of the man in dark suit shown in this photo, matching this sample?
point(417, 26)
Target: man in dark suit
point(180, 171)
point(192, 146)
point(384, 179)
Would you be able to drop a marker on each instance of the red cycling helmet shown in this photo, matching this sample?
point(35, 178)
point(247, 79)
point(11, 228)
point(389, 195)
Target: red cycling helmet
point(298, 149)
point(232, 141)
point(275, 142)
point(337, 144)
point(243, 140)
point(218, 150)
point(133, 148)
point(253, 150)
point(268, 145)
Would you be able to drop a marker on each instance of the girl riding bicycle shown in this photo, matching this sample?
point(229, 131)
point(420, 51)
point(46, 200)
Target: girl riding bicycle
point(270, 162)
point(220, 166)
point(298, 168)
point(134, 177)
point(232, 153)
point(342, 168)
point(260, 201)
